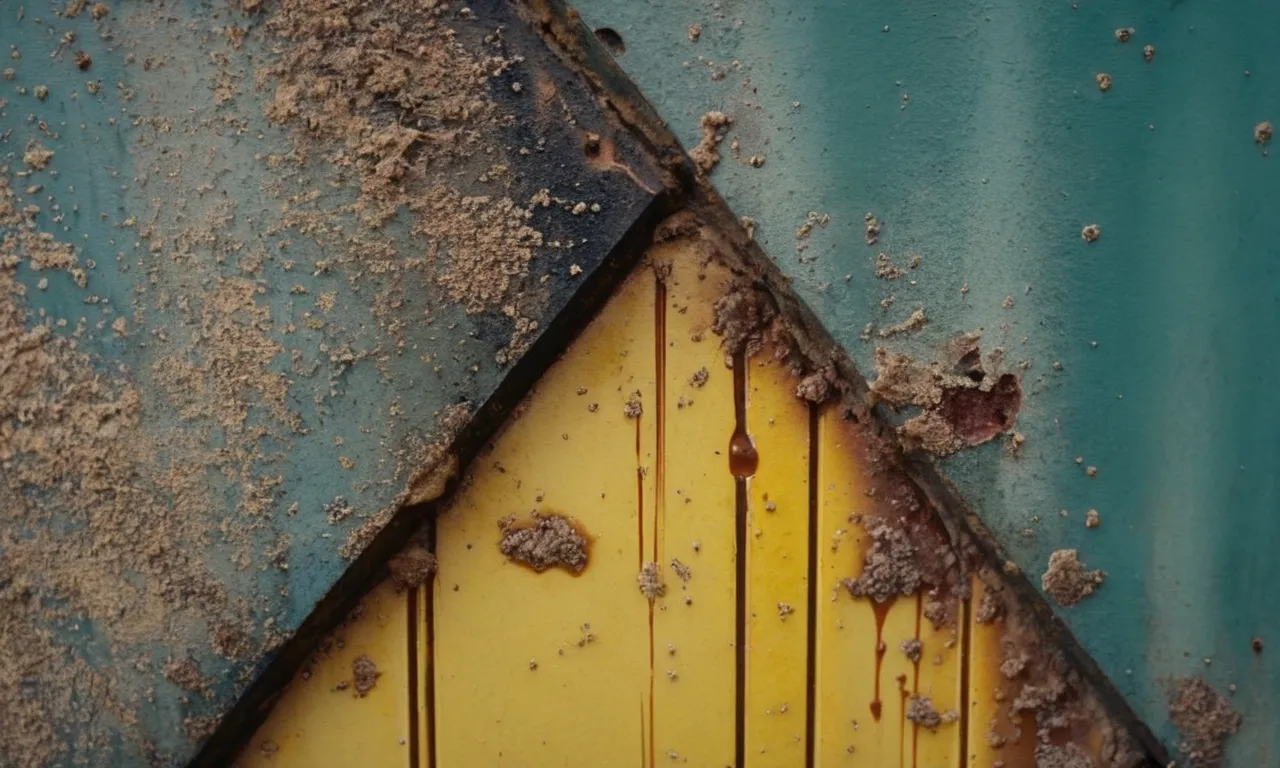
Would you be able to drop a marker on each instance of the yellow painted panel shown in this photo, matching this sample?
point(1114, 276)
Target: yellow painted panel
point(695, 714)
point(551, 668)
point(321, 721)
point(991, 736)
point(423, 602)
point(938, 676)
point(860, 664)
point(777, 570)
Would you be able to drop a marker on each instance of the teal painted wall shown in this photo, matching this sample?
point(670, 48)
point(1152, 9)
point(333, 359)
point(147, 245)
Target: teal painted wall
point(1001, 150)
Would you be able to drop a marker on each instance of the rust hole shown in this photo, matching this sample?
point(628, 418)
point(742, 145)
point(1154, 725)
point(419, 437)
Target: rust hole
point(977, 416)
point(612, 40)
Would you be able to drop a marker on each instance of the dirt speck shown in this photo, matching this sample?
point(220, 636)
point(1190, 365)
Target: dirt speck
point(886, 269)
point(1104, 81)
point(1148, 52)
point(365, 674)
point(1067, 580)
point(36, 156)
point(650, 581)
point(1263, 132)
point(1205, 719)
point(707, 154)
point(1091, 233)
point(913, 648)
point(913, 323)
point(551, 541)
point(694, 32)
point(684, 572)
point(920, 710)
point(699, 378)
point(1124, 34)
point(413, 567)
point(633, 408)
point(1092, 519)
point(83, 60)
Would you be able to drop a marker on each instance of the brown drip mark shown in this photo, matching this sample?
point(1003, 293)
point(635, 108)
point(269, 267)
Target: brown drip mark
point(881, 611)
point(660, 411)
point(743, 462)
point(966, 626)
point(743, 459)
point(639, 498)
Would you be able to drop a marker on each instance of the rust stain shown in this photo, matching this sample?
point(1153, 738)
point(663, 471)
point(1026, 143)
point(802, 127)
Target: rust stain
point(881, 611)
point(743, 458)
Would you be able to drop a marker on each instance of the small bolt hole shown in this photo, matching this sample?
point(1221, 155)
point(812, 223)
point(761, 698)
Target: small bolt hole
point(612, 40)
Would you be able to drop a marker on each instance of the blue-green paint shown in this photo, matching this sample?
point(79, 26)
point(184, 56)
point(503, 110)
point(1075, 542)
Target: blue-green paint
point(1001, 151)
point(112, 176)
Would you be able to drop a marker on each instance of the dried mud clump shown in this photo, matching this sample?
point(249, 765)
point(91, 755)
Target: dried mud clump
point(961, 404)
point(1205, 719)
point(364, 674)
point(413, 567)
point(1090, 233)
point(920, 710)
point(890, 568)
point(550, 542)
point(650, 581)
point(706, 156)
point(747, 321)
point(904, 559)
point(1067, 580)
point(36, 156)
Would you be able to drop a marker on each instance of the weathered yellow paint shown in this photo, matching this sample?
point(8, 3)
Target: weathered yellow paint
point(517, 681)
point(938, 676)
point(777, 570)
point(860, 660)
point(843, 727)
point(320, 721)
point(991, 736)
point(695, 713)
point(423, 601)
